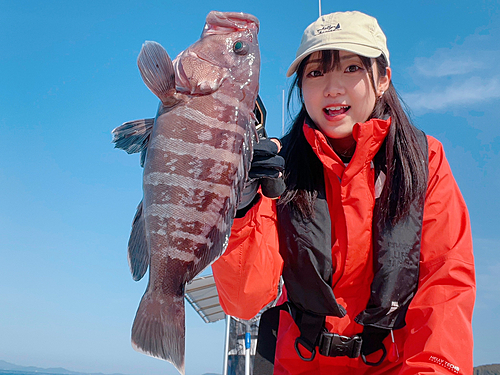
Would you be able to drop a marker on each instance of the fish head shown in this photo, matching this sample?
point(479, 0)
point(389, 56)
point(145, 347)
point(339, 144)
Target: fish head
point(228, 51)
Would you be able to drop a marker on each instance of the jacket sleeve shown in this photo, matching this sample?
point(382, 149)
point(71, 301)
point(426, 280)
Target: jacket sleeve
point(439, 317)
point(247, 274)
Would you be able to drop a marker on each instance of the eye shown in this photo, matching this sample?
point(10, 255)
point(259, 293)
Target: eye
point(240, 48)
point(352, 68)
point(315, 73)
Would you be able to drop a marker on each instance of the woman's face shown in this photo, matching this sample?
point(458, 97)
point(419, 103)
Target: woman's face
point(338, 99)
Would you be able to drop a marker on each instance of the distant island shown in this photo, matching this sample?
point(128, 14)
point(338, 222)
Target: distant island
point(7, 368)
point(487, 370)
point(10, 368)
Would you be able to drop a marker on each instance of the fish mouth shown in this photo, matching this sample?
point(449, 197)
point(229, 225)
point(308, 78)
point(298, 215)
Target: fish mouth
point(224, 22)
point(336, 110)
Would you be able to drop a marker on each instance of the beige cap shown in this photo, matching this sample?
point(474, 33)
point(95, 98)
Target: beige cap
point(346, 31)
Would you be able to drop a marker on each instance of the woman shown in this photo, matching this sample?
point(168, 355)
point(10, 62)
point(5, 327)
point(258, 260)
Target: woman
point(371, 235)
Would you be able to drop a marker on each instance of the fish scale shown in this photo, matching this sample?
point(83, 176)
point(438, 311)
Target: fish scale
point(196, 155)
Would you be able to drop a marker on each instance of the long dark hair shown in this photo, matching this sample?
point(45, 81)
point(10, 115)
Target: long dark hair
point(406, 176)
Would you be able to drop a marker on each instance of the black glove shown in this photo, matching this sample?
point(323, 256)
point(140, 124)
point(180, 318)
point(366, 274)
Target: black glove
point(265, 171)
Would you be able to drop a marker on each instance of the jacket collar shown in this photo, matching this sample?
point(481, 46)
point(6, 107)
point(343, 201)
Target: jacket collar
point(369, 137)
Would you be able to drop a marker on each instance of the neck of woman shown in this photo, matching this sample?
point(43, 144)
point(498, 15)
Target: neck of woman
point(343, 147)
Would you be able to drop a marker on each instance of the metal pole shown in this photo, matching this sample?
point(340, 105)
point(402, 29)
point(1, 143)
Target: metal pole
point(248, 345)
point(283, 113)
point(320, 8)
point(226, 345)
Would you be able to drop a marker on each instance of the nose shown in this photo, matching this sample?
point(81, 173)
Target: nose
point(333, 85)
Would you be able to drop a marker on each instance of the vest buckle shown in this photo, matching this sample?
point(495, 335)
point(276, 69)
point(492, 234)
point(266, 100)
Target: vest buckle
point(335, 345)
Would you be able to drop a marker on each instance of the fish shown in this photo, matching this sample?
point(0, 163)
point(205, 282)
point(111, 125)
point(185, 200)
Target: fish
point(196, 154)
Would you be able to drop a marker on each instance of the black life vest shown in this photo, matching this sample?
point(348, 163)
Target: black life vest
point(305, 246)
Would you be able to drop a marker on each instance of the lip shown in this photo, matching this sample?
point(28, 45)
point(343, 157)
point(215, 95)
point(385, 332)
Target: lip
point(341, 109)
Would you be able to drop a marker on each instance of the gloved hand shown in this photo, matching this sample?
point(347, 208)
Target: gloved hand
point(265, 171)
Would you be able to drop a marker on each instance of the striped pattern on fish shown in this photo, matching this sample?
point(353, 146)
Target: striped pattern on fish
point(191, 185)
point(196, 157)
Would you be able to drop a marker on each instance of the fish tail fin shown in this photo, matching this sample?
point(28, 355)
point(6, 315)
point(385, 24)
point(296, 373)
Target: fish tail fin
point(157, 71)
point(159, 327)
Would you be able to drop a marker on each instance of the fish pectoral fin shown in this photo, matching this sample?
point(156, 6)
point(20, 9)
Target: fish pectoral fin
point(133, 136)
point(138, 251)
point(157, 71)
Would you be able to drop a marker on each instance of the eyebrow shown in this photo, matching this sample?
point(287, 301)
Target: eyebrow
point(346, 57)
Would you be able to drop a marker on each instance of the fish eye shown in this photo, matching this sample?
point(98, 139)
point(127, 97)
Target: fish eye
point(240, 48)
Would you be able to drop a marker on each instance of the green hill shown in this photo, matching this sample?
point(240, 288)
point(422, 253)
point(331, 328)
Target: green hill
point(487, 370)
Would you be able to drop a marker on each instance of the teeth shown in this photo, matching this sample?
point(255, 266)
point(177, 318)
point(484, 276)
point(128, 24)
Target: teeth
point(337, 108)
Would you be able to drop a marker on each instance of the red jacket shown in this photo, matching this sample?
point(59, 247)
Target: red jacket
point(438, 335)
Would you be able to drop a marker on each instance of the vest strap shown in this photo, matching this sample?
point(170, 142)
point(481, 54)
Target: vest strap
point(328, 344)
point(311, 326)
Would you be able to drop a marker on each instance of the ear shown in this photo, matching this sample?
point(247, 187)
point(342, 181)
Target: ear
point(384, 82)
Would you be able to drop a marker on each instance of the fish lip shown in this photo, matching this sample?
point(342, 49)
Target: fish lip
point(222, 20)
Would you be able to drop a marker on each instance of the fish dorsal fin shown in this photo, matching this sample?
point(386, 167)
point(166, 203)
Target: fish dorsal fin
point(157, 71)
point(133, 136)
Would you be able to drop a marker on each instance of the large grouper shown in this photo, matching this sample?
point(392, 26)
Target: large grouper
point(196, 154)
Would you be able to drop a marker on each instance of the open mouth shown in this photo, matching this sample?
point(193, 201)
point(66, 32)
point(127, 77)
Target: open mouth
point(336, 110)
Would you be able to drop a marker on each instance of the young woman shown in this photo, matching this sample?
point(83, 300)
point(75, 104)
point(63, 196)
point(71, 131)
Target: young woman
point(371, 234)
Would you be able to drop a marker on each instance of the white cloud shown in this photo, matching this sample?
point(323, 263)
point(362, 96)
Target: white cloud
point(464, 77)
point(444, 64)
point(472, 93)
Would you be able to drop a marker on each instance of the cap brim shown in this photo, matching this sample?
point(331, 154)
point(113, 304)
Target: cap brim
point(349, 47)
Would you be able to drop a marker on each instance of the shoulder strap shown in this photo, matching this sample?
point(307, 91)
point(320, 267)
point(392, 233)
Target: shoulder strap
point(396, 257)
point(305, 246)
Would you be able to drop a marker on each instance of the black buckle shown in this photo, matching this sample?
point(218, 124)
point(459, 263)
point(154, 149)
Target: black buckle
point(335, 345)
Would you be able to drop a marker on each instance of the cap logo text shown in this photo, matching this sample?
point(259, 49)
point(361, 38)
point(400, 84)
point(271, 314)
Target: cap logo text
point(328, 29)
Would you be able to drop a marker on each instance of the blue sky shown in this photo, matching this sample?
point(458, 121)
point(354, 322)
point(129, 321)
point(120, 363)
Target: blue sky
point(67, 198)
